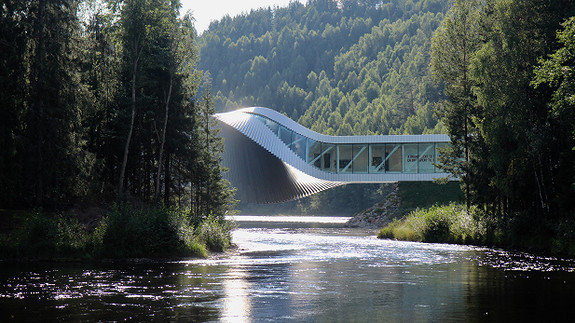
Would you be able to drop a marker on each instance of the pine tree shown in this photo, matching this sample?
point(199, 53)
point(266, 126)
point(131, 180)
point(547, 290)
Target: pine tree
point(453, 47)
point(213, 195)
point(56, 164)
point(12, 91)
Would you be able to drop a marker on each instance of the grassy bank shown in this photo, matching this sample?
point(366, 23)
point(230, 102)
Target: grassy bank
point(453, 224)
point(124, 232)
point(423, 195)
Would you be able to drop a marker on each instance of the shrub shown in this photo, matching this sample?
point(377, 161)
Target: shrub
point(148, 233)
point(72, 238)
point(449, 223)
point(125, 232)
point(38, 237)
point(215, 234)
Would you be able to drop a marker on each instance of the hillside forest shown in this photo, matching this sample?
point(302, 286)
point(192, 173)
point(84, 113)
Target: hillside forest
point(496, 75)
point(337, 67)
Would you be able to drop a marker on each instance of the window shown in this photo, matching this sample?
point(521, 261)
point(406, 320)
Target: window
point(393, 158)
point(426, 158)
point(377, 158)
point(299, 145)
point(285, 135)
point(344, 158)
point(360, 158)
point(410, 158)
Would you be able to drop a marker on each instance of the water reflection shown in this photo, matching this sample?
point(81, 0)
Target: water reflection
point(300, 274)
point(237, 306)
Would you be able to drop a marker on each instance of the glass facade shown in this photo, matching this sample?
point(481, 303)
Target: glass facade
point(370, 158)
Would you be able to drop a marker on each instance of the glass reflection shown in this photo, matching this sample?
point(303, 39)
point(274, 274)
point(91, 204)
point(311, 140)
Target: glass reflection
point(393, 157)
point(426, 158)
point(359, 158)
point(377, 159)
point(344, 157)
point(298, 145)
point(410, 158)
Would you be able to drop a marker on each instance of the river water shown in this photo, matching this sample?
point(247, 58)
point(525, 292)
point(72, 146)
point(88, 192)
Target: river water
point(300, 269)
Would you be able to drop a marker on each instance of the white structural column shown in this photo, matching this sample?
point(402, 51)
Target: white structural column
point(271, 158)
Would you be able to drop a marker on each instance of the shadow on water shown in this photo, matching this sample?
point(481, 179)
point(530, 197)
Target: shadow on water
point(295, 271)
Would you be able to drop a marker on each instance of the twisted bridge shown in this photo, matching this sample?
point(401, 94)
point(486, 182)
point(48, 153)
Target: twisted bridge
point(271, 158)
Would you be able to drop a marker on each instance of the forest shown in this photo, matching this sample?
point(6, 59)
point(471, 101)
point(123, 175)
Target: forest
point(103, 106)
point(496, 75)
point(337, 67)
point(108, 102)
point(104, 98)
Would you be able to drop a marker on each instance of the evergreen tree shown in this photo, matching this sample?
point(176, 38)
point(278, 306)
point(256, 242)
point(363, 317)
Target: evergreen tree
point(515, 126)
point(12, 90)
point(556, 73)
point(452, 50)
point(212, 195)
point(55, 163)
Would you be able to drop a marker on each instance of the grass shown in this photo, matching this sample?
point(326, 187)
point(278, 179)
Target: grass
point(124, 232)
point(453, 224)
point(449, 223)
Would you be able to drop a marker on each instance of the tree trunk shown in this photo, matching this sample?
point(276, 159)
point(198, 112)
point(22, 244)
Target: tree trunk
point(127, 146)
point(163, 141)
point(167, 178)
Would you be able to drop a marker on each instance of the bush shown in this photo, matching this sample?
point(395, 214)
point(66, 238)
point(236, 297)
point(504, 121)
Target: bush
point(125, 232)
point(449, 223)
point(215, 234)
point(43, 236)
point(148, 233)
point(72, 238)
point(38, 237)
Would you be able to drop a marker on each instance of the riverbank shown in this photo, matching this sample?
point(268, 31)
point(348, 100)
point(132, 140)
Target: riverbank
point(122, 231)
point(404, 198)
point(453, 224)
point(301, 273)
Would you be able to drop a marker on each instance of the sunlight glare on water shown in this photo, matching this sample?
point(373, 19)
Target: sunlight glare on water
point(290, 219)
point(299, 269)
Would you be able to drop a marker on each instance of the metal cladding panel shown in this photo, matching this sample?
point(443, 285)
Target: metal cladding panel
point(260, 176)
point(289, 123)
point(266, 170)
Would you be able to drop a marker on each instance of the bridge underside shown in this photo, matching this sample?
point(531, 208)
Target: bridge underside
point(273, 159)
point(261, 177)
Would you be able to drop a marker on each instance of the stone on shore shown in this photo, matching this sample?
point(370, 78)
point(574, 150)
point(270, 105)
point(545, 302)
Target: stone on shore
point(380, 214)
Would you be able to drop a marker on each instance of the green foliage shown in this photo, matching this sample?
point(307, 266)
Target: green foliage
point(45, 237)
point(215, 234)
point(39, 236)
point(453, 224)
point(415, 195)
point(445, 224)
point(72, 239)
point(510, 148)
point(210, 193)
point(147, 233)
point(125, 232)
point(100, 100)
point(337, 68)
point(43, 163)
point(557, 71)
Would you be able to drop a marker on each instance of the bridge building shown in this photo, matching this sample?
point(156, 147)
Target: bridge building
point(271, 158)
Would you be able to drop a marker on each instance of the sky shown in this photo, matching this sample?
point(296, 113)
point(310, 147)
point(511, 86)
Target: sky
point(204, 11)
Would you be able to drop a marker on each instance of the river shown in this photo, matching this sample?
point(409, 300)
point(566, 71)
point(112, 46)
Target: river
point(300, 269)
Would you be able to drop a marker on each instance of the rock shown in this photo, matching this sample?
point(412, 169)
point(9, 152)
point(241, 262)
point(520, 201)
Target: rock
point(380, 214)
